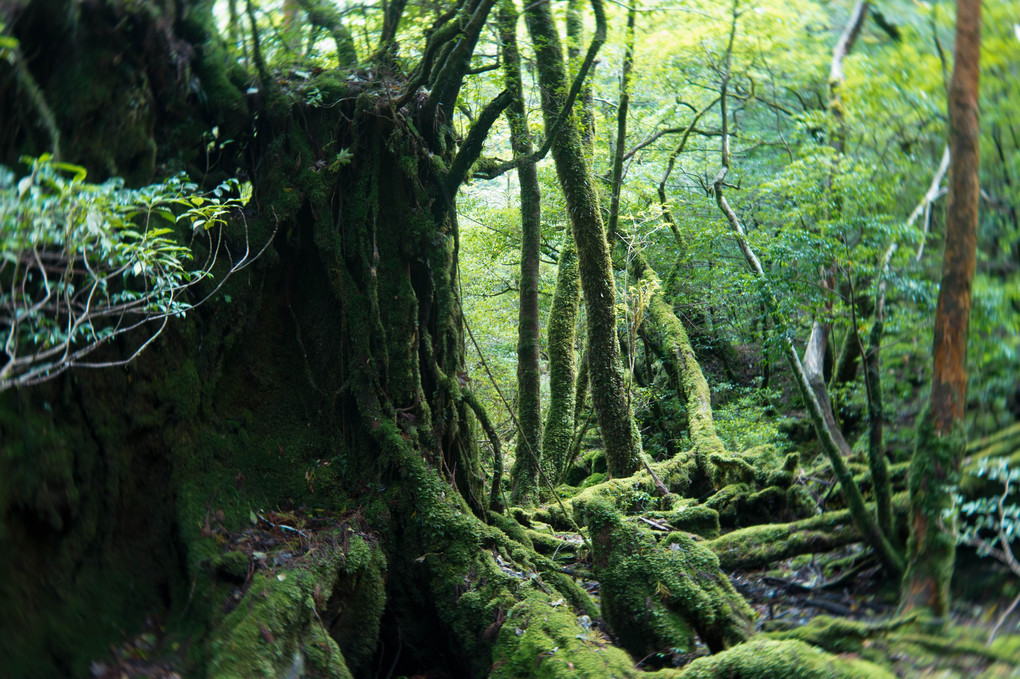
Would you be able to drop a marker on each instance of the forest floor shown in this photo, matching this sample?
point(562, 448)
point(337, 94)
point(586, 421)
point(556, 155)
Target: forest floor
point(838, 601)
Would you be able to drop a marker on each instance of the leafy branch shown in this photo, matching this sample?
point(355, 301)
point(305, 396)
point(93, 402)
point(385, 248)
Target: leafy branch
point(990, 524)
point(82, 263)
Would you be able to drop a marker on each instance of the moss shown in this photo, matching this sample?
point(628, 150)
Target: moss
point(835, 635)
point(38, 463)
point(84, 506)
point(542, 638)
point(232, 565)
point(773, 475)
point(549, 545)
point(354, 612)
point(740, 505)
point(322, 615)
point(759, 546)
point(657, 598)
point(691, 517)
point(931, 549)
point(182, 390)
point(266, 634)
point(769, 659)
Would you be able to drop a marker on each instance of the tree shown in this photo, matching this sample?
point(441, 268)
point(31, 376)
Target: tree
point(529, 438)
point(623, 444)
point(941, 440)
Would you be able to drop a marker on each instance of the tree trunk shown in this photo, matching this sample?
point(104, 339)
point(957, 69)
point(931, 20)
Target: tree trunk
point(612, 408)
point(940, 437)
point(562, 329)
point(524, 476)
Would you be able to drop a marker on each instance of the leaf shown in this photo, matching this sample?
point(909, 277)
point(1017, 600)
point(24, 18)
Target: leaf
point(251, 517)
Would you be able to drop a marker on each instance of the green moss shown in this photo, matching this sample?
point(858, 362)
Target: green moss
point(278, 627)
point(266, 634)
point(182, 390)
point(354, 611)
point(544, 639)
point(691, 517)
point(656, 598)
point(38, 464)
point(232, 565)
point(759, 546)
point(768, 659)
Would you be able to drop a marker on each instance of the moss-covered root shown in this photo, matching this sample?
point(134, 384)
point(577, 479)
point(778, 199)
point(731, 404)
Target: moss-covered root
point(768, 659)
point(759, 546)
point(277, 629)
point(656, 598)
point(544, 638)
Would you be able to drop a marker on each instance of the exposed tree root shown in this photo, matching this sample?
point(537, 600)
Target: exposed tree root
point(300, 619)
point(759, 546)
point(657, 597)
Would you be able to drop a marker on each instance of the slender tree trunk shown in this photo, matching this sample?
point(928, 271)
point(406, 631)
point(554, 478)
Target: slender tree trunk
point(562, 418)
point(876, 415)
point(575, 54)
point(621, 125)
point(524, 476)
point(817, 351)
point(562, 329)
point(940, 438)
point(595, 266)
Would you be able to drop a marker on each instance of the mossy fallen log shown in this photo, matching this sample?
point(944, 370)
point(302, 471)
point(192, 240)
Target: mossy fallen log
point(758, 546)
point(907, 644)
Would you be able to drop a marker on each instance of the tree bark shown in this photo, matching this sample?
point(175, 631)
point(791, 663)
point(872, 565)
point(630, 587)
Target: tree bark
point(940, 438)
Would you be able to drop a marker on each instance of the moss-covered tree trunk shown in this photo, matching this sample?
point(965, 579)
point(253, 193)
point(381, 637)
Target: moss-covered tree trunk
point(561, 336)
point(940, 437)
point(524, 476)
point(561, 329)
point(330, 375)
point(612, 408)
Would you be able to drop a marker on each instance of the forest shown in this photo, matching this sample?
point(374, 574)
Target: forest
point(455, 339)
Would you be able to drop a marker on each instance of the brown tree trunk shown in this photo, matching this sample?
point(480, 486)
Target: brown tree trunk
point(940, 436)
